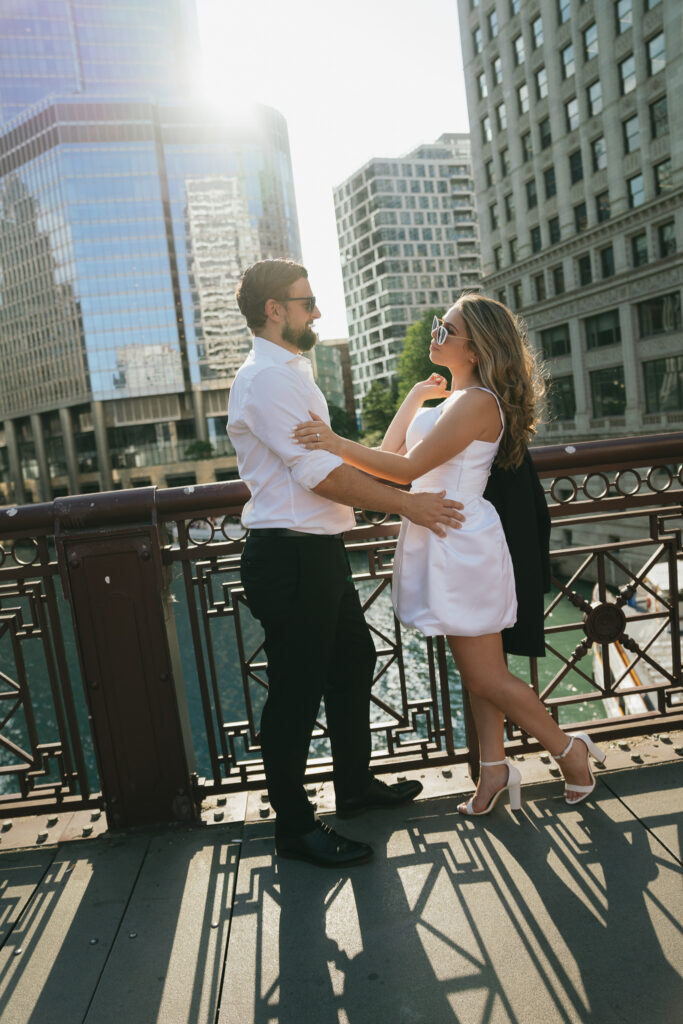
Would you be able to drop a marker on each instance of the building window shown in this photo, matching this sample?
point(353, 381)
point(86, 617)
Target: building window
point(659, 118)
point(539, 287)
point(564, 11)
point(497, 69)
point(488, 171)
point(505, 161)
point(517, 295)
point(594, 95)
point(666, 239)
point(561, 399)
point(639, 249)
point(544, 132)
point(518, 50)
point(482, 87)
point(568, 62)
point(476, 40)
point(603, 329)
point(541, 77)
point(583, 266)
point(602, 207)
point(493, 213)
point(558, 280)
point(492, 19)
point(549, 181)
point(659, 316)
point(537, 32)
point(514, 7)
point(607, 261)
point(627, 75)
point(501, 116)
point(636, 191)
point(571, 110)
point(631, 128)
point(590, 42)
point(575, 166)
point(498, 257)
point(554, 230)
point(555, 341)
point(650, 4)
point(663, 181)
point(523, 98)
point(599, 154)
point(486, 135)
point(656, 57)
point(513, 250)
point(509, 202)
point(580, 217)
point(501, 296)
point(664, 384)
point(535, 235)
point(527, 147)
point(623, 10)
point(608, 391)
point(531, 194)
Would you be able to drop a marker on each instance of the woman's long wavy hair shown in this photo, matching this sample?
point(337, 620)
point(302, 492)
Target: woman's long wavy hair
point(508, 367)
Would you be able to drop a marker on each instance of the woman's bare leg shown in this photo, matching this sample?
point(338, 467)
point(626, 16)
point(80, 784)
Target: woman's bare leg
point(490, 723)
point(483, 670)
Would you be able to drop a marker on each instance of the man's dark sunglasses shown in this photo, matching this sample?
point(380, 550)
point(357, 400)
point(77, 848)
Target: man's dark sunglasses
point(308, 299)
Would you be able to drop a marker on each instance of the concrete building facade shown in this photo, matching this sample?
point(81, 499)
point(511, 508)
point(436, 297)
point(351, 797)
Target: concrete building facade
point(577, 146)
point(408, 241)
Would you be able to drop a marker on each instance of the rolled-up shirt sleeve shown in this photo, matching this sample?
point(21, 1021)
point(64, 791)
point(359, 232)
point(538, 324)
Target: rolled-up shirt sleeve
point(273, 405)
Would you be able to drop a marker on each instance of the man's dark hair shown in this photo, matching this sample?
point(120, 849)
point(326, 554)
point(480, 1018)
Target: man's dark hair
point(267, 279)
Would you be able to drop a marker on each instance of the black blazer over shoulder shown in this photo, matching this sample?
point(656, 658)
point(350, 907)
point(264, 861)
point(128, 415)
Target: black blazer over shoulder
point(518, 498)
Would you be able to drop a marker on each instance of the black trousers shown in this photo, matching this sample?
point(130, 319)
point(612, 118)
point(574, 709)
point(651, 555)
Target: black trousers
point(318, 645)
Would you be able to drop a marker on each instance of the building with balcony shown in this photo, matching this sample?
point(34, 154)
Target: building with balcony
point(332, 369)
point(577, 144)
point(127, 213)
point(408, 241)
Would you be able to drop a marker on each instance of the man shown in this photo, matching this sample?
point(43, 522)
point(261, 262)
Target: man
point(296, 573)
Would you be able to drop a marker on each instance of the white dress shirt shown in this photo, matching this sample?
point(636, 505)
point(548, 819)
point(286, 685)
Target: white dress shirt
point(272, 392)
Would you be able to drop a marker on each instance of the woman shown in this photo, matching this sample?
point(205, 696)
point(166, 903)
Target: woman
point(462, 585)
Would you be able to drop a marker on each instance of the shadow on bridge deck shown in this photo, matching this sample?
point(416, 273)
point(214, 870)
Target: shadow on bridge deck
point(553, 914)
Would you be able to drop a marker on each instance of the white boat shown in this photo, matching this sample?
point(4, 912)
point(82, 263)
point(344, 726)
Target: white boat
point(632, 672)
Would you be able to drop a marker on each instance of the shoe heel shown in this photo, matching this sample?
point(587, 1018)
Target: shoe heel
point(593, 749)
point(514, 787)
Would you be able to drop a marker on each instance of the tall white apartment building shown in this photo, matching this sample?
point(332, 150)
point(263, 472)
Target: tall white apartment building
point(408, 241)
point(577, 146)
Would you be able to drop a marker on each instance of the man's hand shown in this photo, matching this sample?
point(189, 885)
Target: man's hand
point(424, 508)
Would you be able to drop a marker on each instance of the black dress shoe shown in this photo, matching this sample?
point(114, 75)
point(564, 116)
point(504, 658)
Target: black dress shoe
point(379, 794)
point(323, 846)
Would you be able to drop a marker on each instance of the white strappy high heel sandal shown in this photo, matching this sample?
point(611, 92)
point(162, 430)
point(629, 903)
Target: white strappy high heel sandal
point(591, 751)
point(513, 785)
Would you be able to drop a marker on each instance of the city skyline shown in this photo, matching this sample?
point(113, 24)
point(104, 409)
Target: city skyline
point(385, 111)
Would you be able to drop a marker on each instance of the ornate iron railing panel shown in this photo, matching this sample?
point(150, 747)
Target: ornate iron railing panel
point(45, 744)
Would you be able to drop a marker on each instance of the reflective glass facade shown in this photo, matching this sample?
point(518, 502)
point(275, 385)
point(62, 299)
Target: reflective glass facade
point(144, 48)
point(127, 214)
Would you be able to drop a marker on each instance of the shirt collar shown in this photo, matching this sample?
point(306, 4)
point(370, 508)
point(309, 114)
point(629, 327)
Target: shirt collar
point(268, 350)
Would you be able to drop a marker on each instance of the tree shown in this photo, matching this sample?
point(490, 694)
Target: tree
point(342, 422)
point(414, 363)
point(378, 407)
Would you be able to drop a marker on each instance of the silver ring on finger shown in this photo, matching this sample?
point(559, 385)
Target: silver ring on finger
point(317, 437)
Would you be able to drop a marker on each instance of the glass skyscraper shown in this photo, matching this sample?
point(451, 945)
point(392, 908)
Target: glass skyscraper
point(127, 213)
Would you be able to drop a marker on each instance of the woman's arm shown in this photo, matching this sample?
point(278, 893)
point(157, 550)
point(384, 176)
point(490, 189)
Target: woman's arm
point(473, 417)
point(395, 437)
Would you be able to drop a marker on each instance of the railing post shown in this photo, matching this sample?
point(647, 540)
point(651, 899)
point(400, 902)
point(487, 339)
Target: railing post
point(110, 562)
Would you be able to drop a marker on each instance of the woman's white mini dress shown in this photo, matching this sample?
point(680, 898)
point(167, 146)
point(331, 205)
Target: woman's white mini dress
point(461, 584)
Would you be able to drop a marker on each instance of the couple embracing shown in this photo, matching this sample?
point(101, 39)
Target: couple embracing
point(453, 574)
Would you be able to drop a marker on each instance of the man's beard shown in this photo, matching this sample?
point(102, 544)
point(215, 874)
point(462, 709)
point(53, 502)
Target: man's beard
point(304, 339)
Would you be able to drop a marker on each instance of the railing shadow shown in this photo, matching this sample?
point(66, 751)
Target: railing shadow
point(555, 914)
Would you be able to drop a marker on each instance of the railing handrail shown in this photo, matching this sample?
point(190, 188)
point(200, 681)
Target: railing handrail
point(229, 497)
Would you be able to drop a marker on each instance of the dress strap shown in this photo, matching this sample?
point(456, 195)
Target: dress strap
point(477, 387)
